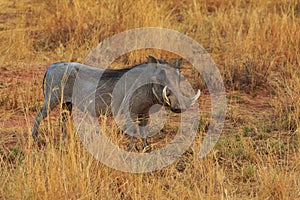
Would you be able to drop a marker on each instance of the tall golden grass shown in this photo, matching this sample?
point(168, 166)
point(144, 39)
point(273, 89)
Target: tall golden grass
point(256, 46)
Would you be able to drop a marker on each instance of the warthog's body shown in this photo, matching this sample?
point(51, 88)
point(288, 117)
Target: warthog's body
point(115, 90)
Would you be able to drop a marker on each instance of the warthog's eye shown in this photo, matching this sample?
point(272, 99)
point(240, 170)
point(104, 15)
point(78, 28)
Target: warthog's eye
point(181, 78)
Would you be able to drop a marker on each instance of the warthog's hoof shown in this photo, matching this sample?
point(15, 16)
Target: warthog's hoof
point(132, 148)
point(147, 149)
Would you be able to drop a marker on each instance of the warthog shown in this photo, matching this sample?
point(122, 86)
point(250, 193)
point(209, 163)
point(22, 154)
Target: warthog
point(111, 91)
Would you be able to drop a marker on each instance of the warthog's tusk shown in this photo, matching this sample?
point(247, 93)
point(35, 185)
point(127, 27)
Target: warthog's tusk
point(155, 94)
point(195, 98)
point(166, 99)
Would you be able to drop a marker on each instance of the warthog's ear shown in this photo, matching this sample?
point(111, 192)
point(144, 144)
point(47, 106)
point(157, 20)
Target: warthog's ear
point(177, 63)
point(151, 59)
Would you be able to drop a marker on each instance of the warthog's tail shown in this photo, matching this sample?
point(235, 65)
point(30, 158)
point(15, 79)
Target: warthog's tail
point(43, 83)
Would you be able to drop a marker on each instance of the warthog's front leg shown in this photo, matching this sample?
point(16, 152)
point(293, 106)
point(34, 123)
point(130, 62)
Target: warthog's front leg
point(131, 130)
point(143, 128)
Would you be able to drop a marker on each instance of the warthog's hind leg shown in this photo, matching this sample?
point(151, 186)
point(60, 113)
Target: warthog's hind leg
point(67, 110)
point(41, 114)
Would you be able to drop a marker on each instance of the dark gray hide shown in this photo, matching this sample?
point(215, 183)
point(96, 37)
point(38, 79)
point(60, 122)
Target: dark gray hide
point(130, 91)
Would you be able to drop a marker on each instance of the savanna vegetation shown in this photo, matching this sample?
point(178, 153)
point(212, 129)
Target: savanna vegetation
point(256, 46)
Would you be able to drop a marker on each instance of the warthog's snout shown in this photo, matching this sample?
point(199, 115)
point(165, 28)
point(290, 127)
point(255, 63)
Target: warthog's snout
point(178, 103)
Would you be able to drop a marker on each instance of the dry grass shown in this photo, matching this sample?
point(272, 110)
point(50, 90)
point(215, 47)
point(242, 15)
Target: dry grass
point(256, 46)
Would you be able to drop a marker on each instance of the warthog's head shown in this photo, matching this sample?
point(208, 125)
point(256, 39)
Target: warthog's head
point(169, 89)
